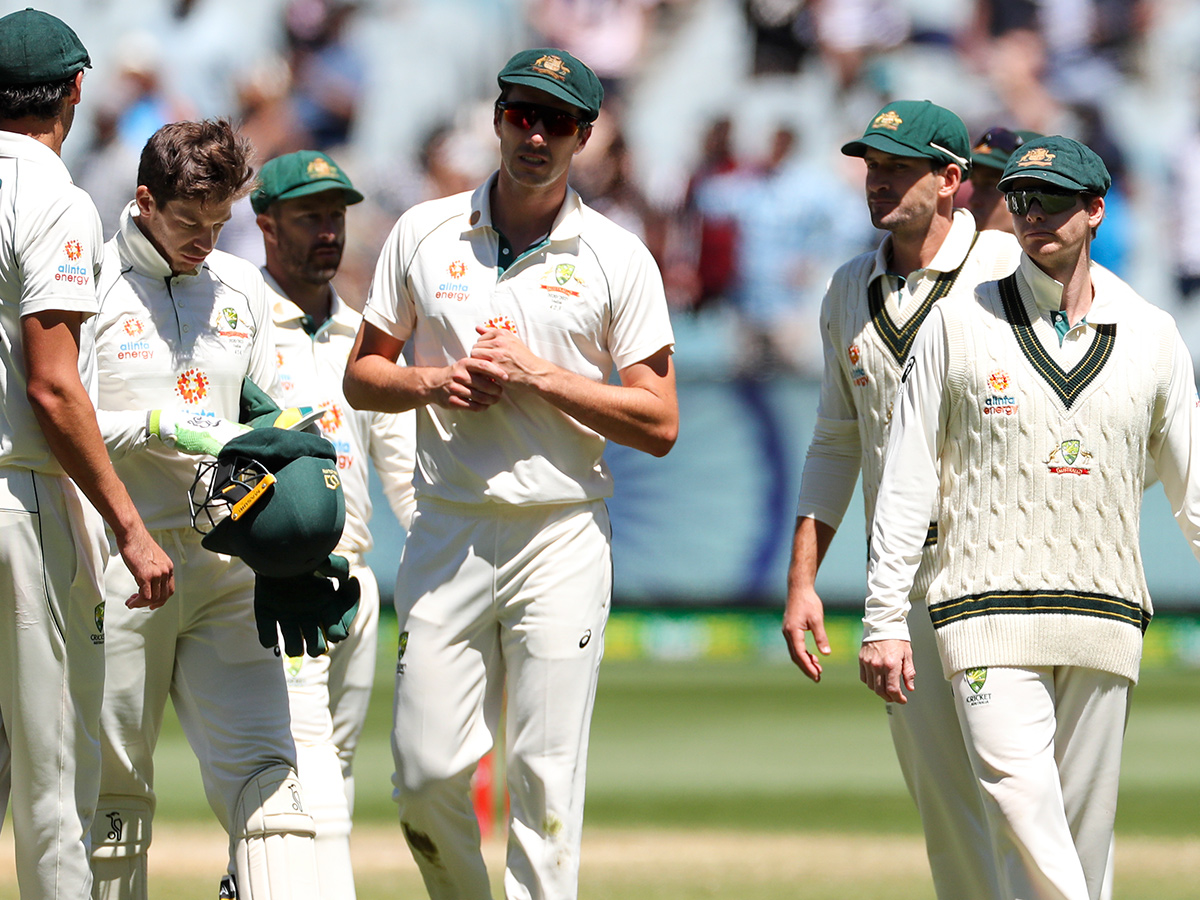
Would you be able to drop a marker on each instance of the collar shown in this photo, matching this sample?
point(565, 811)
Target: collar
point(1047, 291)
point(567, 224)
point(949, 256)
point(22, 146)
point(287, 314)
point(135, 248)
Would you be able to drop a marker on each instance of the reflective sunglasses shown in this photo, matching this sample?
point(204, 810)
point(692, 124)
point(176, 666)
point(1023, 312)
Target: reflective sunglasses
point(999, 139)
point(525, 115)
point(1051, 202)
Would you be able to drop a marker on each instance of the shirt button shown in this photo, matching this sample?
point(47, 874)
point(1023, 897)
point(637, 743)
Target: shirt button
point(187, 328)
point(505, 251)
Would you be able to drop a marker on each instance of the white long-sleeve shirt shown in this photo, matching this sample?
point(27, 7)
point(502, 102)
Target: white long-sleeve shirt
point(167, 341)
point(310, 374)
point(925, 449)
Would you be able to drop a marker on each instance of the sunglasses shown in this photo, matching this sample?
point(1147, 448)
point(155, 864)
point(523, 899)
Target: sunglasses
point(999, 139)
point(1051, 202)
point(525, 115)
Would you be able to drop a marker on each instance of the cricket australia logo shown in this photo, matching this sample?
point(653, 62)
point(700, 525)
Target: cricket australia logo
point(229, 314)
point(1000, 402)
point(889, 120)
point(98, 618)
point(400, 653)
point(1063, 459)
point(976, 678)
point(563, 272)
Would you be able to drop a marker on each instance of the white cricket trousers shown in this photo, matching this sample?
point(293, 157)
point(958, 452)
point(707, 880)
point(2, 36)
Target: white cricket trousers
point(202, 650)
point(52, 553)
point(328, 696)
point(1045, 744)
point(933, 757)
point(489, 597)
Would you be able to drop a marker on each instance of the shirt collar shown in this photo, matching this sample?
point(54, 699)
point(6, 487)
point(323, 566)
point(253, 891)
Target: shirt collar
point(1047, 291)
point(286, 313)
point(22, 146)
point(567, 224)
point(950, 255)
point(136, 249)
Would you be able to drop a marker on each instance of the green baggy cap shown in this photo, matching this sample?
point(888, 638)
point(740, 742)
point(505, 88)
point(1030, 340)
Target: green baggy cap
point(996, 145)
point(297, 522)
point(1060, 161)
point(298, 175)
point(38, 48)
point(916, 128)
point(559, 74)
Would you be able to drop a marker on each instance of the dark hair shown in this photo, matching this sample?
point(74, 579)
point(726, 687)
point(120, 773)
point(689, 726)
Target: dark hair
point(207, 161)
point(39, 101)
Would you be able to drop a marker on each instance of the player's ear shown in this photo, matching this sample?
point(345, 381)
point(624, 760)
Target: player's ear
point(266, 224)
point(145, 201)
point(584, 133)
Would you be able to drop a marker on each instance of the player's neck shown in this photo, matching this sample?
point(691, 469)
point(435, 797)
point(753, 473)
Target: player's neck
point(525, 215)
point(1075, 275)
point(50, 132)
point(915, 249)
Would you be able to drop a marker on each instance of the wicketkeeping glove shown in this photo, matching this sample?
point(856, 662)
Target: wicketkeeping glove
point(308, 610)
point(189, 431)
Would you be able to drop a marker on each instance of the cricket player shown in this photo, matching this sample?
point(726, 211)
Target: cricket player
point(54, 472)
point(183, 324)
point(1034, 406)
point(519, 302)
point(989, 156)
point(916, 154)
point(301, 202)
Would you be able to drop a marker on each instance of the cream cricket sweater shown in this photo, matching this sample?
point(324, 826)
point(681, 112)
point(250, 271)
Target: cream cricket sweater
point(1040, 470)
point(869, 319)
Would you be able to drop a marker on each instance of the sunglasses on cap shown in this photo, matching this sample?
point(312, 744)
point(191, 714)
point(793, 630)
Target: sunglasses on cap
point(999, 139)
point(557, 122)
point(1051, 202)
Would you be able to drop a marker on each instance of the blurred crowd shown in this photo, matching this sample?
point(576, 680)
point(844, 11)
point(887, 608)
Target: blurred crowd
point(722, 120)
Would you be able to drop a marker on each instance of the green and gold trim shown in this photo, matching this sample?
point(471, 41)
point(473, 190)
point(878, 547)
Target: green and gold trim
point(1072, 603)
point(899, 338)
point(931, 535)
point(1067, 385)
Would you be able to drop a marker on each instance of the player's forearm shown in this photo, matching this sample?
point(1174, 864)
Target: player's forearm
point(810, 541)
point(68, 421)
point(372, 382)
point(633, 415)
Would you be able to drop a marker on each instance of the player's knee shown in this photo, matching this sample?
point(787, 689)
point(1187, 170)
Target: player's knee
point(120, 841)
point(274, 851)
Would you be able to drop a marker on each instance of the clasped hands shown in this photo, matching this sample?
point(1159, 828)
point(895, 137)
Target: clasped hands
point(498, 359)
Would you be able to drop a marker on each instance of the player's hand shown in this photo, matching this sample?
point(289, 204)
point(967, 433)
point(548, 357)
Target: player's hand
point(805, 612)
point(474, 384)
point(308, 611)
point(509, 353)
point(886, 667)
point(151, 568)
point(193, 432)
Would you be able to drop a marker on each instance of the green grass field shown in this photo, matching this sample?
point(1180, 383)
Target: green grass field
point(732, 779)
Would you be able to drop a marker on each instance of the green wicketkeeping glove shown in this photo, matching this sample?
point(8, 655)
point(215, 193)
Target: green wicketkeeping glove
point(189, 431)
point(308, 610)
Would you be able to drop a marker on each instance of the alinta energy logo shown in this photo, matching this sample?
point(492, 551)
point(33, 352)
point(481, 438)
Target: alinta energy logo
point(454, 289)
point(136, 348)
point(502, 322)
point(192, 386)
point(857, 373)
point(69, 271)
point(1001, 402)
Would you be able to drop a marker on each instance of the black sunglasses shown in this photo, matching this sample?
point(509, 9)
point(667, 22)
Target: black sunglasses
point(557, 122)
point(999, 139)
point(1051, 202)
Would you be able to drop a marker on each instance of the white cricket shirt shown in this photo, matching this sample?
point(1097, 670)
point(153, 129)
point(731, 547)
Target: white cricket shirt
point(310, 374)
point(590, 299)
point(50, 251)
point(168, 341)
